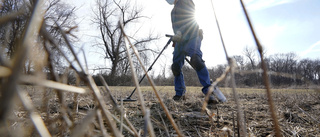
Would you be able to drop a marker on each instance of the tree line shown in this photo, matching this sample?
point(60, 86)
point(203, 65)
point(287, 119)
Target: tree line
point(285, 70)
point(14, 20)
point(60, 18)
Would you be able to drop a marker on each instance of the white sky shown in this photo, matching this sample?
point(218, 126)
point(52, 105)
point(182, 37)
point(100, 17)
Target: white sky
point(282, 26)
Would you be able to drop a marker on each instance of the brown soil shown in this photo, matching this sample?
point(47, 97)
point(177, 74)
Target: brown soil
point(298, 114)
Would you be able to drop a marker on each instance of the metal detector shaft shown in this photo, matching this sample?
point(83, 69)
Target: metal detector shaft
point(167, 35)
point(169, 41)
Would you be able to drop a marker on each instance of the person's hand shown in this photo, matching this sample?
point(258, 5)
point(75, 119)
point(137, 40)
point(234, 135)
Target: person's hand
point(201, 34)
point(177, 37)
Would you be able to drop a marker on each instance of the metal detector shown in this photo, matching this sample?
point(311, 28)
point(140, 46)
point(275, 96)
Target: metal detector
point(128, 99)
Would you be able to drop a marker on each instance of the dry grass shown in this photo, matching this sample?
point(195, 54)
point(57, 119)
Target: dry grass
point(54, 108)
point(298, 112)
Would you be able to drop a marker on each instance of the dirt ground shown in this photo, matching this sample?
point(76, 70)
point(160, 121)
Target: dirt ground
point(298, 112)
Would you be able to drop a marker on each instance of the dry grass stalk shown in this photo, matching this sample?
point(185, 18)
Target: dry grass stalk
point(4, 71)
point(315, 120)
point(102, 128)
point(109, 95)
point(85, 77)
point(152, 85)
point(34, 116)
point(11, 16)
point(148, 125)
point(134, 75)
point(121, 115)
point(90, 82)
point(76, 58)
point(82, 128)
point(47, 36)
point(57, 85)
point(210, 115)
point(29, 38)
point(135, 80)
point(219, 79)
point(119, 110)
point(240, 115)
point(164, 124)
point(114, 104)
point(52, 84)
point(131, 130)
point(243, 131)
point(266, 80)
point(102, 105)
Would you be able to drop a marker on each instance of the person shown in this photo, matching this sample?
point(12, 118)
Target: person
point(187, 42)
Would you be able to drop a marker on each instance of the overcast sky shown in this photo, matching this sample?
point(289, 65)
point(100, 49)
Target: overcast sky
point(282, 26)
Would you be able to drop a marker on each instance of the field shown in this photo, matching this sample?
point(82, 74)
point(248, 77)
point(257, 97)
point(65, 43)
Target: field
point(43, 62)
point(298, 112)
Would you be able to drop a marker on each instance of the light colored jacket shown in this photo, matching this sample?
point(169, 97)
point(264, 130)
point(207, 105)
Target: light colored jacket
point(183, 19)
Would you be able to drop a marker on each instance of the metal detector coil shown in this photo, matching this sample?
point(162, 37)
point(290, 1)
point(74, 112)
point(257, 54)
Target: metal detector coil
point(128, 99)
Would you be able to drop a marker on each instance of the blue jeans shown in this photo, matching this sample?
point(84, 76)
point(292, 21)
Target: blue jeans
point(181, 50)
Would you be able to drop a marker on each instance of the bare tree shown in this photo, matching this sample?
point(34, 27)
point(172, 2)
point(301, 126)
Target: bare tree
point(306, 68)
point(107, 17)
point(63, 15)
point(240, 61)
point(317, 71)
point(250, 53)
point(241, 66)
point(217, 71)
point(283, 63)
point(11, 31)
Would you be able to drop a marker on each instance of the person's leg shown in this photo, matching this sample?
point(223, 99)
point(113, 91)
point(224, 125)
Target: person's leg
point(193, 50)
point(202, 72)
point(178, 62)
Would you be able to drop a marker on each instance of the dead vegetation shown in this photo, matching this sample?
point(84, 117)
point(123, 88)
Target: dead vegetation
point(298, 113)
point(32, 105)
